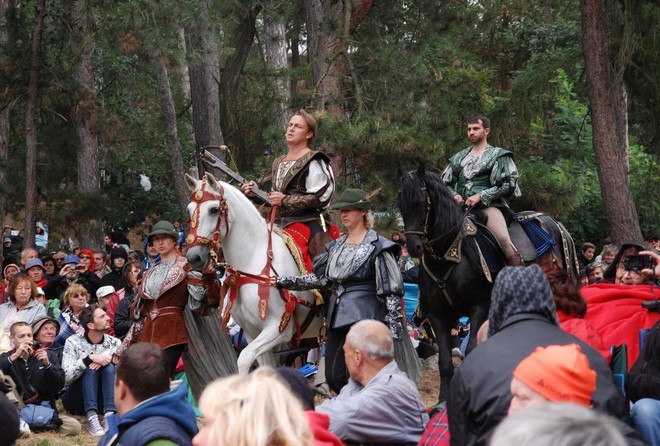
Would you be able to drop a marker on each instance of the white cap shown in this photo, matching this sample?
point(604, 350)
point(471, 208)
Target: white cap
point(104, 291)
point(40, 292)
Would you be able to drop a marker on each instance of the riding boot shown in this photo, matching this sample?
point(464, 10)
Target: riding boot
point(515, 259)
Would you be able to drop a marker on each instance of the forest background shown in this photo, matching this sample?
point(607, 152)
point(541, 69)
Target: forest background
point(96, 95)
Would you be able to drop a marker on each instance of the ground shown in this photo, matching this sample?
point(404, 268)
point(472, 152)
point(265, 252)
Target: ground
point(428, 389)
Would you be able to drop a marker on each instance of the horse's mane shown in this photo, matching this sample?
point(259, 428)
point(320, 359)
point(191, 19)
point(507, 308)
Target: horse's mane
point(446, 217)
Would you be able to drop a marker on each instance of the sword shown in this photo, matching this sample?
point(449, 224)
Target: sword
point(216, 162)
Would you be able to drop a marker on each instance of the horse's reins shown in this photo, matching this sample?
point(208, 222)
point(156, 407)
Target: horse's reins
point(237, 278)
point(441, 283)
point(428, 244)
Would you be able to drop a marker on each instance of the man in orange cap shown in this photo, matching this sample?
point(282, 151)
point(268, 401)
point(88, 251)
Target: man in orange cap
point(556, 373)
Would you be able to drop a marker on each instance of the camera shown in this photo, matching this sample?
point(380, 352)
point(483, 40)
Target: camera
point(638, 262)
point(36, 345)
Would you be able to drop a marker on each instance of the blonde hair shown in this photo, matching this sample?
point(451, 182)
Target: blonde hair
point(369, 220)
point(75, 288)
point(254, 410)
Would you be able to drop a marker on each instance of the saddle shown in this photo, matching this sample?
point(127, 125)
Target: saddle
point(527, 231)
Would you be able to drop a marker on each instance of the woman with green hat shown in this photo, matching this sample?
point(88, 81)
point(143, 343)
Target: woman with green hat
point(163, 294)
point(360, 269)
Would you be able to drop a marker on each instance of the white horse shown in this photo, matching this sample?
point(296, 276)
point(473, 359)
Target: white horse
point(221, 215)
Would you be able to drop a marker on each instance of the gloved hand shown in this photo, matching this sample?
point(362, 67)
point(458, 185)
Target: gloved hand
point(394, 316)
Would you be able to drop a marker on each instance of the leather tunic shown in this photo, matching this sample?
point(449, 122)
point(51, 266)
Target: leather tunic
point(164, 324)
point(355, 298)
point(300, 205)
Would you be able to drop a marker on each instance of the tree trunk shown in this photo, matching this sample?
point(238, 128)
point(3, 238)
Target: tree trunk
point(85, 118)
point(276, 59)
point(324, 28)
point(30, 130)
point(4, 123)
point(204, 85)
point(609, 146)
point(240, 41)
point(173, 143)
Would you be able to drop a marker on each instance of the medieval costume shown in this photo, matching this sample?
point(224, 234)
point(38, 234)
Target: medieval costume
point(494, 176)
point(309, 186)
point(162, 297)
point(364, 282)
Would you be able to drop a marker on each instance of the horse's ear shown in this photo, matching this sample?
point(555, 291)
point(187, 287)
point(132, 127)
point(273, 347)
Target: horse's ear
point(191, 182)
point(212, 181)
point(421, 170)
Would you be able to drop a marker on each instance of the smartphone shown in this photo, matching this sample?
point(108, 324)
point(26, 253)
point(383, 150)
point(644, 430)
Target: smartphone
point(638, 262)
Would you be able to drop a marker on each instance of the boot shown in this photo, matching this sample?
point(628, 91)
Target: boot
point(515, 259)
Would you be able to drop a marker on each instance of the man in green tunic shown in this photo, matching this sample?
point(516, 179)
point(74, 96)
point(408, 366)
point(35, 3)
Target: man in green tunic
point(484, 176)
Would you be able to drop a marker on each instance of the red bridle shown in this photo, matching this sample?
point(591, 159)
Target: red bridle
point(198, 197)
point(236, 278)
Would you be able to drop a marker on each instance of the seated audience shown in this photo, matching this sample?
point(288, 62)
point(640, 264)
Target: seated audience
point(586, 254)
point(45, 330)
point(614, 305)
point(35, 371)
point(90, 371)
point(607, 255)
point(118, 258)
point(50, 266)
point(379, 404)
point(100, 264)
point(556, 373)
point(108, 299)
point(36, 271)
point(252, 410)
point(522, 317)
point(75, 301)
point(571, 307)
point(594, 272)
point(643, 381)
point(149, 412)
point(123, 319)
point(10, 271)
point(72, 272)
point(22, 305)
point(554, 424)
point(319, 423)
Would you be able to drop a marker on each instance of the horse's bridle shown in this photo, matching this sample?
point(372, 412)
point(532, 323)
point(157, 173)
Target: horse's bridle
point(198, 197)
point(236, 278)
point(426, 242)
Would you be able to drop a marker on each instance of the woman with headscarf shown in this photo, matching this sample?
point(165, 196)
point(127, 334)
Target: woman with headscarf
point(360, 269)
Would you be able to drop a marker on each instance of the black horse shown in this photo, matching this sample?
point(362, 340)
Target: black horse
point(456, 272)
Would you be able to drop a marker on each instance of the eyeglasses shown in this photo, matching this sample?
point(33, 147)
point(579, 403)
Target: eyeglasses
point(84, 257)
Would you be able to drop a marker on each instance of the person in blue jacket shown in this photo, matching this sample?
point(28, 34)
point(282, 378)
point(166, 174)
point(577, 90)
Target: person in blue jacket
point(151, 411)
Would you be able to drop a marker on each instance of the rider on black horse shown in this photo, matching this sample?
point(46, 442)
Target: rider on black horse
point(483, 177)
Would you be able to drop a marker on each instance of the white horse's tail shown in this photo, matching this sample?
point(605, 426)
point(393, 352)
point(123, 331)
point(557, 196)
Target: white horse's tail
point(210, 354)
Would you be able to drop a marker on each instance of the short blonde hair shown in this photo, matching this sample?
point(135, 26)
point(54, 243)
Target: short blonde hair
point(75, 288)
point(254, 410)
